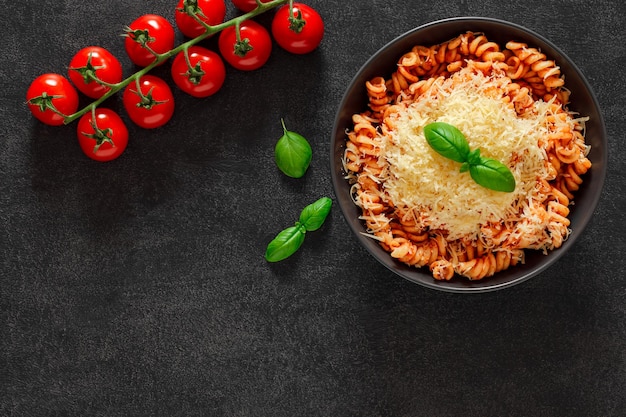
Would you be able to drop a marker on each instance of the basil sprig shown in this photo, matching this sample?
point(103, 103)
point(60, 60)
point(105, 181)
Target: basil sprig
point(450, 142)
point(292, 153)
point(289, 240)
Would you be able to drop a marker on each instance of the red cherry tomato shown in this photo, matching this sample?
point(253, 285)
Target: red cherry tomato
point(51, 94)
point(104, 140)
point(153, 107)
point(206, 75)
point(153, 31)
point(247, 5)
point(211, 12)
point(252, 51)
point(300, 33)
point(90, 62)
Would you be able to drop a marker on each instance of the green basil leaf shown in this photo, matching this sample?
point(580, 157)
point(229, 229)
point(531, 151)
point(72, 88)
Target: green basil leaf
point(474, 158)
point(450, 142)
point(313, 216)
point(292, 153)
point(447, 140)
point(493, 174)
point(285, 244)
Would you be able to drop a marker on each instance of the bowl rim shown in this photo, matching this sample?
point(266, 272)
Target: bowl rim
point(488, 284)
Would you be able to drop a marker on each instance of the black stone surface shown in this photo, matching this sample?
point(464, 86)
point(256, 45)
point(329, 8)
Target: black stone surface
point(139, 288)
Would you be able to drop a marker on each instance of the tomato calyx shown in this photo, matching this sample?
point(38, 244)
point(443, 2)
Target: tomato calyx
point(141, 36)
point(146, 101)
point(88, 72)
point(296, 22)
point(191, 8)
point(242, 46)
point(195, 74)
point(44, 102)
point(100, 136)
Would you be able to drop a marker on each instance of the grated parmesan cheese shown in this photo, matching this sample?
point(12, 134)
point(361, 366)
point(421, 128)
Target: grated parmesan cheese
point(446, 199)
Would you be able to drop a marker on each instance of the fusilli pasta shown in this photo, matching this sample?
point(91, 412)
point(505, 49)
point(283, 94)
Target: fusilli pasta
point(521, 79)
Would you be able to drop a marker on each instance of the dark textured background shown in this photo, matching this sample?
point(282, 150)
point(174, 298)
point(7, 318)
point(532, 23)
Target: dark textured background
point(139, 288)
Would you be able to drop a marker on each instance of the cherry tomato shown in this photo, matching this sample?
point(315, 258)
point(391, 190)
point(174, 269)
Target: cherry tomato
point(301, 33)
point(205, 76)
point(252, 51)
point(106, 138)
point(151, 30)
point(90, 62)
point(247, 5)
point(211, 12)
point(51, 94)
point(151, 108)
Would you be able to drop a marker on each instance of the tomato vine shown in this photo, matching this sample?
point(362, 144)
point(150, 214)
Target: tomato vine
point(183, 47)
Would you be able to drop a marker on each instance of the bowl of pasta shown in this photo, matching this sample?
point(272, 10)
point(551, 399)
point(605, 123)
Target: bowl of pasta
point(468, 154)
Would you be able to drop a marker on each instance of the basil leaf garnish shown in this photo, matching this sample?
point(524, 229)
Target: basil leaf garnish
point(292, 153)
point(493, 174)
point(288, 241)
point(450, 142)
point(447, 140)
point(313, 216)
point(285, 244)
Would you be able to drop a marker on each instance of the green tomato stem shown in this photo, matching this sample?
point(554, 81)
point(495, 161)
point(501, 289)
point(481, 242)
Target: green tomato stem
point(186, 55)
point(152, 51)
point(202, 23)
point(210, 30)
point(104, 83)
point(238, 31)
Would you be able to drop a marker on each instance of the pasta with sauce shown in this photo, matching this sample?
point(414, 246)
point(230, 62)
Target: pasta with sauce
point(511, 103)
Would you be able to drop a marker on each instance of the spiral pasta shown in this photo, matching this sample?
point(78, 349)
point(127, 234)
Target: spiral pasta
point(384, 160)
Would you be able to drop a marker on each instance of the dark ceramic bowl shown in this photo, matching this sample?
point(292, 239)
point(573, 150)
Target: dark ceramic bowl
point(582, 100)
